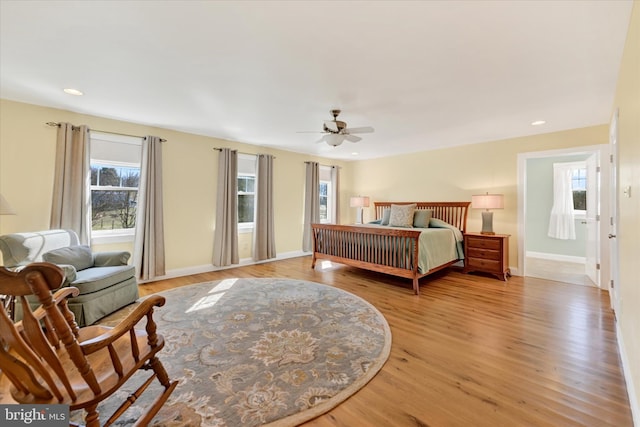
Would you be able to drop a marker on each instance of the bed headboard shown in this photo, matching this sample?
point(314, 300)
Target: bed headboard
point(455, 213)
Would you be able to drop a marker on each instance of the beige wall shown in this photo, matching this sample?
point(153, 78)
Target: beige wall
point(27, 151)
point(26, 169)
point(627, 100)
point(455, 174)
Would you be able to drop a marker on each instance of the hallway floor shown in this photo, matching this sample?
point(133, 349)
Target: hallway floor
point(560, 271)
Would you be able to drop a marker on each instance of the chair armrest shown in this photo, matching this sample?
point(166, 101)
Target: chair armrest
point(125, 326)
point(39, 313)
point(111, 258)
point(69, 273)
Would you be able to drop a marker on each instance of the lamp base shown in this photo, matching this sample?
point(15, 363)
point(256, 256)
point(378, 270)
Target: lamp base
point(360, 216)
point(487, 223)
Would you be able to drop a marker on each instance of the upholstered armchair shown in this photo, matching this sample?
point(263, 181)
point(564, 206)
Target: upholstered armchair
point(105, 281)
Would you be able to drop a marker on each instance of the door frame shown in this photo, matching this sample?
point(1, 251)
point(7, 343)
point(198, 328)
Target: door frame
point(614, 214)
point(602, 150)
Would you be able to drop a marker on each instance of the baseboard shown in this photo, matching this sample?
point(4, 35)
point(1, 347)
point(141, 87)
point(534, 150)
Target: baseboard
point(557, 257)
point(631, 390)
point(206, 268)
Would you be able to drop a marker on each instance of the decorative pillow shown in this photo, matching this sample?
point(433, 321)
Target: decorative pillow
point(402, 215)
point(421, 218)
point(386, 213)
point(78, 256)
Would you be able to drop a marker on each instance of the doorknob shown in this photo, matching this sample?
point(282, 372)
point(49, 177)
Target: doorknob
point(612, 236)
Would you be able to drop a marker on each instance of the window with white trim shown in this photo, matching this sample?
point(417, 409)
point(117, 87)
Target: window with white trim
point(579, 187)
point(115, 177)
point(246, 190)
point(326, 195)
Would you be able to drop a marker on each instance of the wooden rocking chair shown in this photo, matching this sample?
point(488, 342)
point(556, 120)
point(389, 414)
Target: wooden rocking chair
point(48, 359)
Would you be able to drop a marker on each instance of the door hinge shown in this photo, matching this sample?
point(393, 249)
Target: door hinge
point(598, 169)
point(610, 220)
point(598, 217)
point(610, 158)
point(611, 283)
point(598, 266)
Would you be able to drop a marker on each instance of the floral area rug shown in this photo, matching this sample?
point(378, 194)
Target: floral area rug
point(260, 351)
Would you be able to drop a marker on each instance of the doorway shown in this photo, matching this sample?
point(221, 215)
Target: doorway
point(583, 259)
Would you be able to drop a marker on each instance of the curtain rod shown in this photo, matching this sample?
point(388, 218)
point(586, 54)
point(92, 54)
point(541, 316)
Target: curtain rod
point(56, 124)
point(240, 152)
point(331, 166)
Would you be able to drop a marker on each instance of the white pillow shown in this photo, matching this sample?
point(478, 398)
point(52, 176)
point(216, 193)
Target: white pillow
point(402, 215)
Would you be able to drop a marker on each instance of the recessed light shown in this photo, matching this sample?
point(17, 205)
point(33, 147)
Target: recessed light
point(538, 123)
point(75, 92)
point(355, 153)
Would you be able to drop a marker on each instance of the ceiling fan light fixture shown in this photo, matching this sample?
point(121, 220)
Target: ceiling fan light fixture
point(334, 139)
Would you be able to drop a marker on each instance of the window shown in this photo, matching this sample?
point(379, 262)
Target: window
point(246, 198)
point(115, 177)
point(579, 188)
point(324, 201)
point(114, 193)
point(246, 190)
point(326, 195)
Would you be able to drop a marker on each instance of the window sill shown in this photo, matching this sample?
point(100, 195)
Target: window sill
point(106, 238)
point(245, 229)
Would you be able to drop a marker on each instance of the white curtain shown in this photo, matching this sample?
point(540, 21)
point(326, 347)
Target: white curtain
point(264, 244)
point(311, 203)
point(562, 221)
point(148, 252)
point(71, 207)
point(225, 238)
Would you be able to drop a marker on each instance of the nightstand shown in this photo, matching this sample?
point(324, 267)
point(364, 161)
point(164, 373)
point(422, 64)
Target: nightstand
point(488, 253)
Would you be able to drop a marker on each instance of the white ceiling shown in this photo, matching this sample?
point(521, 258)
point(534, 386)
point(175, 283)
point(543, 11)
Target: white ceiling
point(424, 74)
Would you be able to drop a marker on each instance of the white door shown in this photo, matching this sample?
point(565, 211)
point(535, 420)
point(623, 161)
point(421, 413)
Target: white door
point(613, 212)
point(593, 221)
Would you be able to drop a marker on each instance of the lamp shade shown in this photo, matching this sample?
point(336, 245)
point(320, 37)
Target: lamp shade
point(359, 202)
point(5, 208)
point(487, 201)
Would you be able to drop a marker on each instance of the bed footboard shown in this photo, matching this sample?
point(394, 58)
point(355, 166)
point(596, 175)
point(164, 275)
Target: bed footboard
point(387, 251)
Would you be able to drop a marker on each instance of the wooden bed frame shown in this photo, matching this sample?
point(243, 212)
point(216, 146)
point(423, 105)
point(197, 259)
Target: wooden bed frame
point(387, 253)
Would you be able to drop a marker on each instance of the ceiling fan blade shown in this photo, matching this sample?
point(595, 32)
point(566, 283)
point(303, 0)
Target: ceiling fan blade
point(331, 125)
point(321, 139)
point(365, 129)
point(310, 131)
point(352, 138)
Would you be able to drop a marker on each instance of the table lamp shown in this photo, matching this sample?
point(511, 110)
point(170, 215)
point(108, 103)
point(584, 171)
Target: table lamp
point(487, 202)
point(359, 202)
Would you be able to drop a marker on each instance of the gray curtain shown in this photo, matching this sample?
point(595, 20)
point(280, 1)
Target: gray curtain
point(148, 252)
point(71, 207)
point(335, 181)
point(264, 243)
point(225, 237)
point(311, 203)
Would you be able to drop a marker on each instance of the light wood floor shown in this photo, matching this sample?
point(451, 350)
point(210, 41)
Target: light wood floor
point(559, 271)
point(474, 351)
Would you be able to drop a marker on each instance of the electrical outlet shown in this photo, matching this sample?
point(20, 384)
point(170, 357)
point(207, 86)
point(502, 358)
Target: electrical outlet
point(627, 191)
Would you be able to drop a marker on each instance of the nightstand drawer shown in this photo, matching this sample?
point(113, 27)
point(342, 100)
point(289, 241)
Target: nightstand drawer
point(477, 242)
point(484, 264)
point(484, 253)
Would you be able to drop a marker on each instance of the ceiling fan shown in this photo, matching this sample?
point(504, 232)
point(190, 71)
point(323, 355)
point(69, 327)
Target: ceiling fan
point(336, 131)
